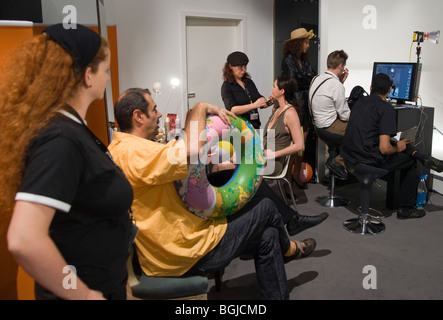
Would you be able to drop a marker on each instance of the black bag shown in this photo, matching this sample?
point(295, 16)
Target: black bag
point(356, 94)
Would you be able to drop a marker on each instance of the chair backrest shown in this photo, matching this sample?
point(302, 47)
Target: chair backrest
point(332, 140)
point(283, 171)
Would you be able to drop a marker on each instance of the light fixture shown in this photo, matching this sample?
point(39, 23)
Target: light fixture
point(433, 36)
point(156, 87)
point(174, 84)
point(420, 36)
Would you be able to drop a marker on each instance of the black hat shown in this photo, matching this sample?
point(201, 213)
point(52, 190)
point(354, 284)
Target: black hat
point(81, 43)
point(238, 58)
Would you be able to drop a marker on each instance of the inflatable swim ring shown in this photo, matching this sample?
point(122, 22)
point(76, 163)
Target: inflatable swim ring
point(212, 202)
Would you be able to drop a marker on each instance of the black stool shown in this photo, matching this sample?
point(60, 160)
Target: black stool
point(333, 142)
point(366, 224)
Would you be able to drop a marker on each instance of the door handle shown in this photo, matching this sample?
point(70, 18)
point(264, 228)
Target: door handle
point(191, 95)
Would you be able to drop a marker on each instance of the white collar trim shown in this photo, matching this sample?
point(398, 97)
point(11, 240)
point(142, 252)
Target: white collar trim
point(70, 116)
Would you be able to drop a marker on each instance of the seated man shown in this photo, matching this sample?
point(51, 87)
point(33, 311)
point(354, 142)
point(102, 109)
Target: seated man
point(330, 110)
point(368, 141)
point(172, 241)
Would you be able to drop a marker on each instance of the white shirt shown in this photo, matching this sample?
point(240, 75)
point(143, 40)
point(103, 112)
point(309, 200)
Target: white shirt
point(329, 102)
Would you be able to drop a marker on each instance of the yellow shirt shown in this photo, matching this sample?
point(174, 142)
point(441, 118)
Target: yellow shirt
point(171, 238)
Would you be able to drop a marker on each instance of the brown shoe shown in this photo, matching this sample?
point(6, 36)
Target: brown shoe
point(304, 249)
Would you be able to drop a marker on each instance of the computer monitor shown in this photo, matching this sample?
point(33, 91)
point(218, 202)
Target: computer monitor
point(405, 78)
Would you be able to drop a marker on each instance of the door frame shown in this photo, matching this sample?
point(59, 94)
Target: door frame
point(242, 28)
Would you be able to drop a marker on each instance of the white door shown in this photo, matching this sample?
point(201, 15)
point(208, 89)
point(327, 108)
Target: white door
point(208, 42)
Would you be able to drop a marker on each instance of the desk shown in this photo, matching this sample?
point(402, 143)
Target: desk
point(406, 117)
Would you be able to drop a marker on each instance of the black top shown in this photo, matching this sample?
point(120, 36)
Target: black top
point(234, 95)
point(304, 75)
point(66, 169)
point(370, 117)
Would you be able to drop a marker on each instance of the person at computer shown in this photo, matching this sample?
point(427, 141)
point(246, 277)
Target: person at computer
point(368, 141)
point(172, 241)
point(329, 108)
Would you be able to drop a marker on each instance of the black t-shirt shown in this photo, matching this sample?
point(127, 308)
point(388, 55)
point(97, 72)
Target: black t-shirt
point(65, 169)
point(234, 95)
point(370, 117)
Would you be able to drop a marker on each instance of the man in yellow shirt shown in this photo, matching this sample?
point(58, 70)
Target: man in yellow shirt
point(173, 241)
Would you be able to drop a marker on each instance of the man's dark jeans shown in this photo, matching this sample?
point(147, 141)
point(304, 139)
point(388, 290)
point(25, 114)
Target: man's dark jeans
point(407, 165)
point(256, 230)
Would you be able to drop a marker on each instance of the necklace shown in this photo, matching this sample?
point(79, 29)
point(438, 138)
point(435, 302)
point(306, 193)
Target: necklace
point(280, 111)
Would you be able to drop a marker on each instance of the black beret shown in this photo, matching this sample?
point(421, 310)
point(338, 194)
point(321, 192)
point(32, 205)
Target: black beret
point(238, 58)
point(81, 43)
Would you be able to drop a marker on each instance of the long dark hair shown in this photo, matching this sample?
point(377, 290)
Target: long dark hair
point(289, 84)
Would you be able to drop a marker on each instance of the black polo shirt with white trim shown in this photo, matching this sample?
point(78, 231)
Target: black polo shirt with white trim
point(66, 170)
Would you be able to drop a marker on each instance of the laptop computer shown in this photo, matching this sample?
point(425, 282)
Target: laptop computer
point(408, 134)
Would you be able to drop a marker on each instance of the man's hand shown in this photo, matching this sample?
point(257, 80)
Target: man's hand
point(198, 115)
point(401, 145)
point(344, 75)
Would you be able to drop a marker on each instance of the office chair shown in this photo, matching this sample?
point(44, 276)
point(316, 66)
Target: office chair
point(365, 224)
point(333, 141)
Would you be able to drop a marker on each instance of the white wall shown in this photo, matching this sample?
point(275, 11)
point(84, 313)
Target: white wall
point(342, 28)
point(150, 37)
point(150, 40)
point(86, 11)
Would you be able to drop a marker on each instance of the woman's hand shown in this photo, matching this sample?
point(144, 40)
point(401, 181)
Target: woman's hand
point(260, 103)
point(269, 154)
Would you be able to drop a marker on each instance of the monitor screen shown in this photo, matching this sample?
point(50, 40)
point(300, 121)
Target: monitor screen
point(404, 78)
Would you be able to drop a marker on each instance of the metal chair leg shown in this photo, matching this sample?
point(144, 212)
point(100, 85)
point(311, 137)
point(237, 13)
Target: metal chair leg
point(365, 224)
point(332, 201)
point(291, 193)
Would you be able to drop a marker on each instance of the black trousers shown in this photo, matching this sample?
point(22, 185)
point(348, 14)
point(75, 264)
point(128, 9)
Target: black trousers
point(409, 177)
point(256, 230)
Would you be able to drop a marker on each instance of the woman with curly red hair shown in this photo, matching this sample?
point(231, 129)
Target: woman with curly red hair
point(70, 227)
